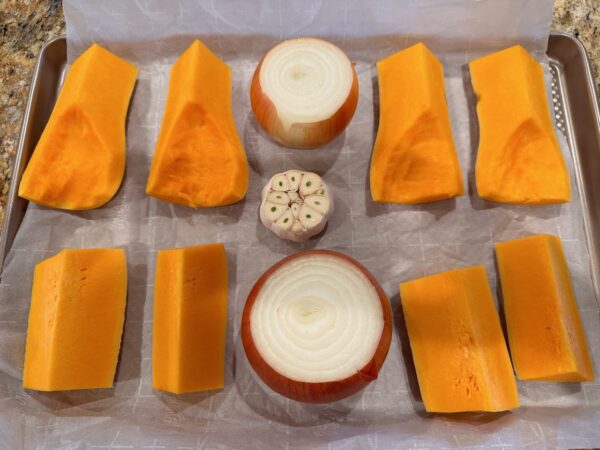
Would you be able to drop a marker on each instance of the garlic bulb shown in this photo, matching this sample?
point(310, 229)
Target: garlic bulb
point(296, 205)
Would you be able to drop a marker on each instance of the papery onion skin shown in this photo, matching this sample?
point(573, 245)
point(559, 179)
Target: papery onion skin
point(300, 135)
point(323, 392)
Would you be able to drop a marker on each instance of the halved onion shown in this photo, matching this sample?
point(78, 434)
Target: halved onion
point(304, 92)
point(317, 326)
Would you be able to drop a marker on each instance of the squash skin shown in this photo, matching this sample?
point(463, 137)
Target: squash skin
point(546, 337)
point(414, 159)
point(76, 320)
point(519, 159)
point(457, 344)
point(199, 159)
point(79, 161)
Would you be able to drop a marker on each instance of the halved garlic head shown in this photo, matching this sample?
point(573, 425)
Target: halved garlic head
point(295, 205)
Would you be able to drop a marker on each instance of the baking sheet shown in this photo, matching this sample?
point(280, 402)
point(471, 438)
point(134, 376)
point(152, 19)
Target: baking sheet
point(395, 242)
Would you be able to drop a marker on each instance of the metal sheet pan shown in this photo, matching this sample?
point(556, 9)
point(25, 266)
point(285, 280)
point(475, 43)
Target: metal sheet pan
point(578, 117)
point(48, 75)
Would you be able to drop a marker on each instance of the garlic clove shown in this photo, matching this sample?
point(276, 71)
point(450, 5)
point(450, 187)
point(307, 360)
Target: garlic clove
point(280, 183)
point(310, 184)
point(286, 221)
point(309, 218)
point(280, 198)
point(319, 203)
point(294, 178)
point(297, 228)
point(295, 210)
point(294, 197)
point(272, 211)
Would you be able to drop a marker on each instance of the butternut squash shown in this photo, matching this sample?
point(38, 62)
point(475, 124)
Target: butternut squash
point(190, 319)
point(414, 160)
point(79, 161)
point(199, 160)
point(547, 341)
point(457, 344)
point(519, 159)
point(76, 320)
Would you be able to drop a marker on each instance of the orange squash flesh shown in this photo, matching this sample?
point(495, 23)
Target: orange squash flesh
point(79, 160)
point(190, 319)
point(76, 320)
point(519, 158)
point(457, 344)
point(547, 341)
point(414, 160)
point(199, 160)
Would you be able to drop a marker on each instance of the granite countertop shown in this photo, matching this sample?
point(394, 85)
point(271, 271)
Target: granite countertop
point(25, 25)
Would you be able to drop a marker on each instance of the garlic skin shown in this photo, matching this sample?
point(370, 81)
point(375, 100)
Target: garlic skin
point(295, 205)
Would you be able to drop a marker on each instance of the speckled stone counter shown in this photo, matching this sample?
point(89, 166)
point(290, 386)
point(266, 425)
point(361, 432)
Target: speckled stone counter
point(24, 27)
point(582, 18)
point(26, 24)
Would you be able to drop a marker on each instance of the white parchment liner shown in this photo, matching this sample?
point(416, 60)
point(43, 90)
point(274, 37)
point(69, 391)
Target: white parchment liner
point(396, 243)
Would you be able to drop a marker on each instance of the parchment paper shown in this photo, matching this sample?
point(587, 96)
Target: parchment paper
point(396, 243)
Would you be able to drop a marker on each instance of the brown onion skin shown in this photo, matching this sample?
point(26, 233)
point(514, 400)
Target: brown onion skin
point(324, 392)
point(302, 135)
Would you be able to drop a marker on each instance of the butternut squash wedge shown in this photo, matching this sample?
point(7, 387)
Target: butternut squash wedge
point(76, 320)
point(457, 344)
point(199, 160)
point(519, 159)
point(79, 160)
point(414, 160)
point(547, 340)
point(190, 319)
